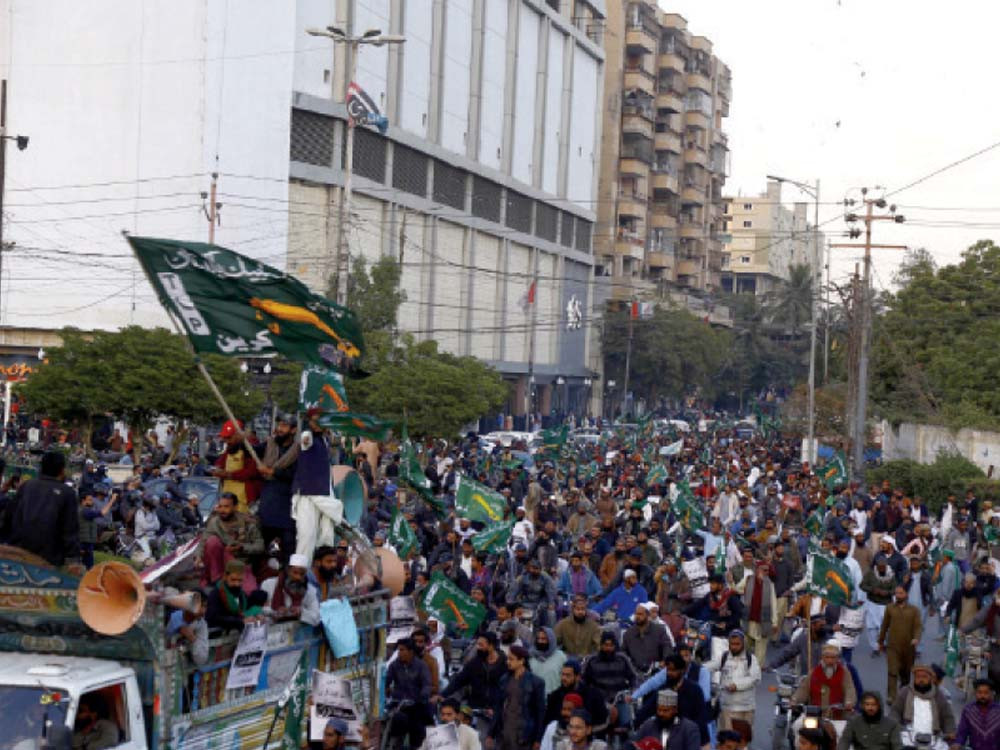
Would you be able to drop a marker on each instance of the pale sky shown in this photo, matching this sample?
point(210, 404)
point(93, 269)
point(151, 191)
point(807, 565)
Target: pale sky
point(865, 93)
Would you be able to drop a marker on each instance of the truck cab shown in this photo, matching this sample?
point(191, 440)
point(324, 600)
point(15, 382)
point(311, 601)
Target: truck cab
point(39, 692)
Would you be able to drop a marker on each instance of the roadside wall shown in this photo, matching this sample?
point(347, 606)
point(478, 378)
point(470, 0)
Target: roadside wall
point(922, 442)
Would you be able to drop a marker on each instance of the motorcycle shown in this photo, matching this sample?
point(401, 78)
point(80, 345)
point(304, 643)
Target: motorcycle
point(921, 740)
point(698, 637)
point(782, 708)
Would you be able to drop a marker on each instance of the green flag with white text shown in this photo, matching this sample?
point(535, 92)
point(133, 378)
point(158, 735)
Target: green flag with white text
point(493, 538)
point(356, 425)
point(446, 601)
point(400, 534)
point(477, 502)
point(232, 305)
point(829, 577)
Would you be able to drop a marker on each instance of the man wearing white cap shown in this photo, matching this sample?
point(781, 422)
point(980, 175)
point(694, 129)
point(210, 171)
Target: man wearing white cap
point(289, 594)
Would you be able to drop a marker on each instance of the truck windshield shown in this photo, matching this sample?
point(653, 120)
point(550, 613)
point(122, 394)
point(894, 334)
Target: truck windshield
point(25, 710)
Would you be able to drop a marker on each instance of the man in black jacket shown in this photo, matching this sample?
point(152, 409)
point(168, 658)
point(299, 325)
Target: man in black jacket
point(570, 682)
point(481, 674)
point(690, 698)
point(43, 517)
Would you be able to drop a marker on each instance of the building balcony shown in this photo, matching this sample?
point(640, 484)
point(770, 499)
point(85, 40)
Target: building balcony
point(632, 205)
point(694, 118)
point(670, 101)
point(693, 194)
point(699, 81)
point(691, 231)
point(629, 248)
point(665, 181)
point(688, 267)
point(632, 123)
point(695, 156)
point(658, 259)
point(641, 80)
point(720, 139)
point(671, 61)
point(639, 39)
point(630, 166)
point(667, 141)
point(662, 216)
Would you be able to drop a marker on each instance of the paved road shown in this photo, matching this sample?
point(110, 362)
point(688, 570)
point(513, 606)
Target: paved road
point(871, 669)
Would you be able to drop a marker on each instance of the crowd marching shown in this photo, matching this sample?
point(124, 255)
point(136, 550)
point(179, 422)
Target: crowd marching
point(633, 585)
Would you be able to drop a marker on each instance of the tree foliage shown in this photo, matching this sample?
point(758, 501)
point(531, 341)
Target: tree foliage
point(949, 474)
point(932, 358)
point(136, 375)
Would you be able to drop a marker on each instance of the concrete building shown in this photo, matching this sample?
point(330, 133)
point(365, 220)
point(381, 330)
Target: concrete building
point(765, 239)
point(664, 156)
point(484, 183)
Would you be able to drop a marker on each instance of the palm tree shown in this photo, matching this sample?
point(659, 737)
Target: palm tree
point(791, 304)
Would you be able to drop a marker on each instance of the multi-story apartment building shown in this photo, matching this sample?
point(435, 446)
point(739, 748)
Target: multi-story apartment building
point(664, 156)
point(764, 239)
point(483, 185)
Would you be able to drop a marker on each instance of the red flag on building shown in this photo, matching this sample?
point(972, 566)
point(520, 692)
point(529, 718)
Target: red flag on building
point(528, 298)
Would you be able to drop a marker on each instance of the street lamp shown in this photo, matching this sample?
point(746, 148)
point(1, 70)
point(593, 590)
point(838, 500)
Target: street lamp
point(813, 192)
point(22, 143)
point(376, 38)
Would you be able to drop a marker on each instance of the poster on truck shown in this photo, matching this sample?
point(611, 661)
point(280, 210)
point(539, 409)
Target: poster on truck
point(332, 699)
point(249, 656)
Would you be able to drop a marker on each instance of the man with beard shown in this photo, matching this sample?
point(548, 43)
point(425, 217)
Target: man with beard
point(690, 699)
point(578, 578)
point(332, 572)
point(578, 634)
point(278, 470)
point(229, 535)
point(979, 727)
point(407, 679)
point(783, 572)
point(800, 647)
point(871, 730)
point(722, 606)
point(609, 670)
point(228, 606)
point(93, 729)
point(760, 605)
point(844, 555)
point(236, 467)
point(899, 637)
point(964, 604)
point(625, 598)
point(917, 582)
point(289, 595)
point(646, 642)
point(878, 585)
point(480, 677)
point(570, 683)
point(557, 729)
point(680, 733)
point(536, 590)
point(519, 716)
point(468, 738)
point(921, 708)
point(613, 563)
point(828, 684)
point(546, 660)
point(739, 673)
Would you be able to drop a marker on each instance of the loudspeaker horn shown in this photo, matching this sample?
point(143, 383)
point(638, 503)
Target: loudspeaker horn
point(111, 597)
point(393, 573)
point(350, 489)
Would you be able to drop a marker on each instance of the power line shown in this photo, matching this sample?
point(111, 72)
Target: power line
point(945, 168)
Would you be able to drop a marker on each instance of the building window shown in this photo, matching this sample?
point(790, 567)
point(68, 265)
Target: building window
point(747, 224)
point(486, 196)
point(748, 206)
point(745, 260)
point(311, 138)
point(409, 170)
point(519, 211)
point(546, 221)
point(449, 185)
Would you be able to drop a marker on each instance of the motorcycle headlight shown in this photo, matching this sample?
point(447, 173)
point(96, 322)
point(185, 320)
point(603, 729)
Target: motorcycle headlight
point(811, 722)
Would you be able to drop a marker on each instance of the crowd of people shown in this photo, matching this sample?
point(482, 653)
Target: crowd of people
point(650, 583)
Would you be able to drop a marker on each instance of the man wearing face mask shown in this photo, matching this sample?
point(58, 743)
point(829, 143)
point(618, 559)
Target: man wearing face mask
point(289, 595)
point(578, 634)
point(680, 733)
point(871, 730)
point(546, 659)
point(534, 589)
point(898, 637)
point(479, 678)
point(921, 708)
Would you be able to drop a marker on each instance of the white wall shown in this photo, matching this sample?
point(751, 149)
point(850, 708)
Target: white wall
point(553, 111)
point(127, 103)
point(923, 443)
point(494, 81)
point(418, 29)
point(582, 130)
point(373, 62)
point(524, 99)
point(456, 72)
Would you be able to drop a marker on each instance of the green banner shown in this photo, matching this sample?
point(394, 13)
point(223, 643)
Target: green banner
point(657, 474)
point(400, 534)
point(814, 523)
point(412, 473)
point(834, 471)
point(356, 425)
point(553, 440)
point(477, 502)
point(232, 305)
point(446, 601)
point(493, 538)
point(687, 510)
point(321, 388)
point(829, 578)
point(291, 738)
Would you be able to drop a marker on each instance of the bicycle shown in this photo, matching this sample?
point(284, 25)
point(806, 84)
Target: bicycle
point(393, 712)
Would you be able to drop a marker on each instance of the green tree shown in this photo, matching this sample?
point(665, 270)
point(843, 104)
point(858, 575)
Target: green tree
point(790, 305)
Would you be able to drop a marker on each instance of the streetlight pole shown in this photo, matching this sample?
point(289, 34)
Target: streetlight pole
point(22, 143)
point(376, 38)
point(814, 270)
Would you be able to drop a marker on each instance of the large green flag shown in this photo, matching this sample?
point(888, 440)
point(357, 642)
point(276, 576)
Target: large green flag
point(446, 601)
point(553, 440)
point(829, 578)
point(951, 652)
point(321, 388)
point(400, 534)
point(493, 538)
point(477, 502)
point(687, 509)
point(356, 425)
point(814, 523)
point(231, 304)
point(297, 693)
point(834, 472)
point(412, 473)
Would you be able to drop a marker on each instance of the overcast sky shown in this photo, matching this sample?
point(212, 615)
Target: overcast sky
point(865, 93)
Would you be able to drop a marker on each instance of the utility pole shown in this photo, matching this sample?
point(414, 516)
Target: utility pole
point(212, 209)
point(3, 176)
point(826, 328)
point(530, 386)
point(628, 354)
point(863, 320)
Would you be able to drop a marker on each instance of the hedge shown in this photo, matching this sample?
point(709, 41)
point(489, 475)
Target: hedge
point(949, 474)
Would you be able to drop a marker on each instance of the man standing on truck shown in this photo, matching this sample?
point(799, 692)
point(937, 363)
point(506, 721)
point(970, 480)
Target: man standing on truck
point(44, 515)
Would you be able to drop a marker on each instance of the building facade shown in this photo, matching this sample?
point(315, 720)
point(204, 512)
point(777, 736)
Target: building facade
point(664, 156)
point(483, 186)
point(764, 240)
